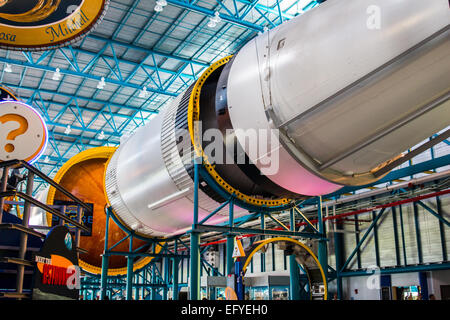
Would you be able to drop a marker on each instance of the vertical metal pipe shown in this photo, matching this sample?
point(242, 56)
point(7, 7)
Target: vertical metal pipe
point(375, 236)
point(441, 230)
point(23, 235)
point(175, 273)
point(166, 278)
point(423, 285)
point(397, 247)
point(338, 252)
point(153, 295)
point(417, 228)
point(130, 270)
point(230, 239)
point(358, 253)
point(105, 259)
point(402, 229)
point(78, 230)
point(322, 251)
point(262, 254)
point(252, 240)
point(294, 279)
point(194, 279)
point(273, 257)
point(3, 185)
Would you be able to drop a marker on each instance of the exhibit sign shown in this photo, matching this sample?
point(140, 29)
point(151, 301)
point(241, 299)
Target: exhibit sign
point(44, 24)
point(57, 273)
point(23, 132)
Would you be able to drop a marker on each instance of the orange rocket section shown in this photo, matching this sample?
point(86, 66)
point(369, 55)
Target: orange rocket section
point(83, 176)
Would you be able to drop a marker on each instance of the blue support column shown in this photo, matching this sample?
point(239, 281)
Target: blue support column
point(441, 230)
point(230, 239)
point(397, 246)
point(402, 229)
point(338, 252)
point(175, 273)
point(194, 279)
point(294, 280)
point(417, 229)
point(358, 254)
point(322, 251)
point(375, 238)
point(423, 285)
point(166, 278)
point(130, 271)
point(105, 259)
point(262, 254)
point(153, 292)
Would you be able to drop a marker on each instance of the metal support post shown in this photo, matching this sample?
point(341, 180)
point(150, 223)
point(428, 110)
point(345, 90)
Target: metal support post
point(166, 278)
point(153, 295)
point(175, 273)
point(358, 253)
point(423, 285)
point(23, 235)
point(441, 230)
point(417, 229)
point(294, 279)
point(230, 239)
point(3, 185)
point(375, 238)
point(322, 251)
point(338, 252)
point(263, 255)
point(130, 271)
point(105, 260)
point(397, 246)
point(402, 229)
point(78, 230)
point(194, 279)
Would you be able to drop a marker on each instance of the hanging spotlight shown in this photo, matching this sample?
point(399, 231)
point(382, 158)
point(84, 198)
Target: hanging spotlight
point(144, 93)
point(47, 159)
point(68, 130)
point(57, 75)
point(101, 84)
point(8, 68)
point(101, 136)
point(213, 21)
point(160, 4)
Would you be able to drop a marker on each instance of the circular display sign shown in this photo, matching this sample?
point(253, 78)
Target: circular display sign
point(40, 24)
point(23, 133)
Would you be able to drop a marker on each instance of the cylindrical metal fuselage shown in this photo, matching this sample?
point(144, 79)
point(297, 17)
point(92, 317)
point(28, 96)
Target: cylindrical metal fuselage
point(344, 89)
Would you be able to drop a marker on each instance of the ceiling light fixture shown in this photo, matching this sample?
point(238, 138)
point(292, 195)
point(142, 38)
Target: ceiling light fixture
point(101, 136)
point(57, 75)
point(68, 130)
point(8, 68)
point(144, 93)
point(160, 4)
point(213, 21)
point(101, 84)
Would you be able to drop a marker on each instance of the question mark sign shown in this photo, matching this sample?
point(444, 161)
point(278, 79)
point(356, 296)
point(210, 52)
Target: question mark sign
point(14, 133)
